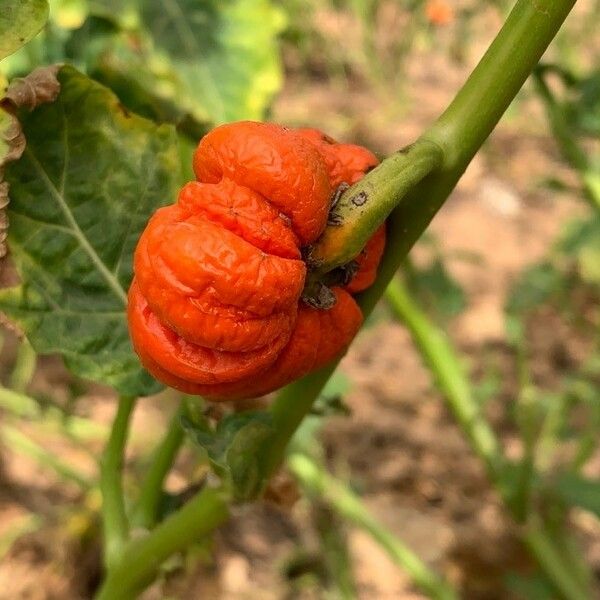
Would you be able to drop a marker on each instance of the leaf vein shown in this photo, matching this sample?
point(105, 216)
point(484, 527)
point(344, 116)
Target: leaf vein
point(110, 279)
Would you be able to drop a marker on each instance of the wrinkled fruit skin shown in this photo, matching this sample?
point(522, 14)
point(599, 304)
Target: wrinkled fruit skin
point(214, 307)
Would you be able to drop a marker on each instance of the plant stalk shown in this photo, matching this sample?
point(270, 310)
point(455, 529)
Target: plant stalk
point(146, 510)
point(459, 132)
point(349, 506)
point(455, 386)
point(115, 523)
point(142, 557)
point(450, 378)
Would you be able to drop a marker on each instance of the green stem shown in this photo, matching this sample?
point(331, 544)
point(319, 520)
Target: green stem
point(450, 378)
point(50, 417)
point(146, 510)
point(459, 132)
point(288, 410)
point(362, 209)
point(454, 384)
point(550, 557)
point(349, 506)
point(142, 557)
point(115, 524)
point(23, 443)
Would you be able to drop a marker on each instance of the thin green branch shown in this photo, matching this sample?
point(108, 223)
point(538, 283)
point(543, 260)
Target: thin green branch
point(146, 510)
point(557, 567)
point(22, 443)
point(349, 506)
point(24, 367)
point(50, 417)
point(142, 557)
point(362, 209)
point(115, 524)
point(450, 377)
point(551, 554)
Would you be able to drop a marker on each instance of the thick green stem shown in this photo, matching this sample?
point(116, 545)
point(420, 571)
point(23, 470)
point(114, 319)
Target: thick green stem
point(141, 558)
point(349, 506)
point(288, 409)
point(362, 209)
point(459, 132)
point(115, 524)
point(146, 510)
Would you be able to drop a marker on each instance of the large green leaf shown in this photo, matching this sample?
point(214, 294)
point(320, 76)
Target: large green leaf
point(20, 20)
point(80, 195)
point(224, 52)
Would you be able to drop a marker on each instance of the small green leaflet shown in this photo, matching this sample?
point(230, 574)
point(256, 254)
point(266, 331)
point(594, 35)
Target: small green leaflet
point(89, 178)
point(20, 20)
point(234, 448)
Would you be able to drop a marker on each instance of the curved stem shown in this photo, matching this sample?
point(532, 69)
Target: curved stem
point(459, 132)
point(142, 557)
point(115, 524)
point(146, 510)
point(456, 388)
point(551, 559)
point(24, 444)
point(349, 506)
point(450, 378)
point(364, 206)
point(493, 84)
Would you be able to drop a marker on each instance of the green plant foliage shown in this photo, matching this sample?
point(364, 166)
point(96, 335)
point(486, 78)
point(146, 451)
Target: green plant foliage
point(89, 178)
point(537, 285)
point(20, 20)
point(233, 448)
point(579, 491)
point(186, 62)
point(224, 53)
point(584, 110)
point(435, 287)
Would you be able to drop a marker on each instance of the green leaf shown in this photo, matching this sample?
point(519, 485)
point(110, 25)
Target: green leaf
point(438, 290)
point(532, 587)
point(224, 52)
point(579, 491)
point(90, 176)
point(20, 20)
point(234, 448)
point(538, 284)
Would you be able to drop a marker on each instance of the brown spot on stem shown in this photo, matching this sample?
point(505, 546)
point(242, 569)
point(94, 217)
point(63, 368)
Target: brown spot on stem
point(360, 199)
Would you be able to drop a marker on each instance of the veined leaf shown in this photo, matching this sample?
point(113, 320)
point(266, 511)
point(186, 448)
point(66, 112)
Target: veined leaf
point(20, 20)
point(233, 448)
point(80, 195)
point(224, 52)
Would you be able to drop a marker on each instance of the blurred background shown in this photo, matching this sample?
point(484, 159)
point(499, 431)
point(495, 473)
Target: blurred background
point(509, 270)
